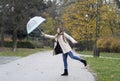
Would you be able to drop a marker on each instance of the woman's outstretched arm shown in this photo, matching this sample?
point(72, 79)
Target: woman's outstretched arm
point(48, 36)
point(70, 38)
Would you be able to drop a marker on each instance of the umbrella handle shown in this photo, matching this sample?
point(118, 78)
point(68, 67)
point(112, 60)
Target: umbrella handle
point(40, 30)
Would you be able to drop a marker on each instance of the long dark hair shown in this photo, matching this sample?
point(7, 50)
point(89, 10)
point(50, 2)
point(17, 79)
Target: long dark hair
point(61, 33)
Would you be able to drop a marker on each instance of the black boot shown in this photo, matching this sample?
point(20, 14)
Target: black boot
point(84, 62)
point(65, 73)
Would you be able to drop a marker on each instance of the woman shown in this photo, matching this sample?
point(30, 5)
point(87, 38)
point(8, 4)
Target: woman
point(62, 46)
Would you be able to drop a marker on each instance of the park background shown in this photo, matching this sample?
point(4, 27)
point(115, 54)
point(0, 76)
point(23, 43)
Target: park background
point(95, 24)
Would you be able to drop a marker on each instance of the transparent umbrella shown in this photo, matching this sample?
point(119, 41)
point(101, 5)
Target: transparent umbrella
point(33, 23)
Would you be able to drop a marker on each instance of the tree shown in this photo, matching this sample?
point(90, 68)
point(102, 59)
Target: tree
point(118, 3)
point(1, 31)
point(109, 19)
point(50, 25)
point(79, 19)
point(3, 18)
point(19, 13)
point(51, 10)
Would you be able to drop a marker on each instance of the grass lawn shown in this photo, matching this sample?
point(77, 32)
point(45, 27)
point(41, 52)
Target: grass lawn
point(103, 54)
point(20, 51)
point(106, 69)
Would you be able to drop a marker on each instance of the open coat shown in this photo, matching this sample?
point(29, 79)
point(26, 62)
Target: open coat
point(62, 41)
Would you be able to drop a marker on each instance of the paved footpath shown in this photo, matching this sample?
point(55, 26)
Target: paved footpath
point(43, 66)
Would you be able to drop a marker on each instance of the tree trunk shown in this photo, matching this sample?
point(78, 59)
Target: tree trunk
point(118, 3)
point(14, 40)
point(2, 37)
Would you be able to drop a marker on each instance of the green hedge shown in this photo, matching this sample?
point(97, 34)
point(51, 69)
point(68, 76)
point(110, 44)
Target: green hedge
point(84, 45)
point(109, 44)
point(23, 44)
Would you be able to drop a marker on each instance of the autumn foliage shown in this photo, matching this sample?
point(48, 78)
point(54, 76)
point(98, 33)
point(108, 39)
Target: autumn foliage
point(109, 44)
point(79, 19)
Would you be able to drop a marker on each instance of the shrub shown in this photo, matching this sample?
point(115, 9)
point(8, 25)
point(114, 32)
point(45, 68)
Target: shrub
point(8, 44)
point(23, 44)
point(84, 45)
point(109, 44)
point(38, 44)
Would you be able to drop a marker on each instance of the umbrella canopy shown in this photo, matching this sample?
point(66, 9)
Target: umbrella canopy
point(33, 23)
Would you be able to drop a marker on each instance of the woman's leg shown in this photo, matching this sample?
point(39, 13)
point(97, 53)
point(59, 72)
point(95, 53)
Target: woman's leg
point(77, 58)
point(65, 65)
point(65, 60)
point(73, 56)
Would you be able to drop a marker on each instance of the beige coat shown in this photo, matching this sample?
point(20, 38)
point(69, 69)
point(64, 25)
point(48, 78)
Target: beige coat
point(63, 42)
